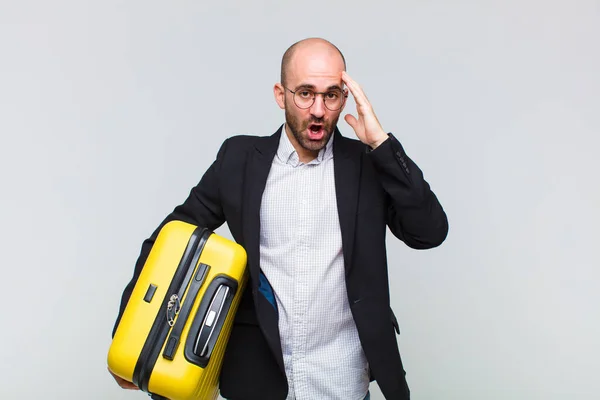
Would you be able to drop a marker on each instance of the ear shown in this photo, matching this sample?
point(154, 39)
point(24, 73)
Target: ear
point(279, 92)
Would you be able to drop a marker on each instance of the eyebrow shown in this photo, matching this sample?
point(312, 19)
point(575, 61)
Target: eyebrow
point(313, 87)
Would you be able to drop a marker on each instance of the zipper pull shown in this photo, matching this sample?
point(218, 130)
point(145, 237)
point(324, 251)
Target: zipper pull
point(173, 308)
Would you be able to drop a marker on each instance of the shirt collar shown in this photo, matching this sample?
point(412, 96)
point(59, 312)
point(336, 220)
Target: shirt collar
point(288, 155)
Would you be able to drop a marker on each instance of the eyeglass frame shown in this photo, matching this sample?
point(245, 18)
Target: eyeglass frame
point(344, 96)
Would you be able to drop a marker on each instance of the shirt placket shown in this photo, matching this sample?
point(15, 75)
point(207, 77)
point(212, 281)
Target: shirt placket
point(302, 281)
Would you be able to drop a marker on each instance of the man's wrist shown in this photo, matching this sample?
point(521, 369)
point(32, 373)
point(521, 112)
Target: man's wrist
point(378, 143)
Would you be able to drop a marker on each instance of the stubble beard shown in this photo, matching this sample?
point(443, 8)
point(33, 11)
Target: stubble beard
point(297, 127)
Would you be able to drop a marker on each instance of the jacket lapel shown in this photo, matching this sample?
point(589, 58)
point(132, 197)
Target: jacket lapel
point(256, 174)
point(347, 169)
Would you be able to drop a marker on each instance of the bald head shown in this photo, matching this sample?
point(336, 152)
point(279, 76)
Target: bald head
point(307, 46)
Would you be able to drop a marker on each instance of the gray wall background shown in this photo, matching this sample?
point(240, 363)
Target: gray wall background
point(111, 111)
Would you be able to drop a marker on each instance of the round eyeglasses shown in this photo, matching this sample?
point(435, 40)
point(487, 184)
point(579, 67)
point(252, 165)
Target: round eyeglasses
point(333, 99)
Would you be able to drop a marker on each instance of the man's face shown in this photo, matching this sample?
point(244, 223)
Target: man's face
point(312, 71)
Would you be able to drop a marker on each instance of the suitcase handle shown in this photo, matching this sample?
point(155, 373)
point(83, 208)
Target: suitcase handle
point(209, 320)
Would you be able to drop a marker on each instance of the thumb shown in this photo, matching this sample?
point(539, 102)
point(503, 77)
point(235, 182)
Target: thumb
point(351, 120)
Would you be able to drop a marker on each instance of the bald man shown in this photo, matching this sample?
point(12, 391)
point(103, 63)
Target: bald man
point(311, 207)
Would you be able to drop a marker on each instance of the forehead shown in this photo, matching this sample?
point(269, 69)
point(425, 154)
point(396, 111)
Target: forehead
point(317, 65)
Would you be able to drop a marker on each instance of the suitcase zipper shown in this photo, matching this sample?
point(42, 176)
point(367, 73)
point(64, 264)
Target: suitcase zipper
point(190, 299)
point(161, 326)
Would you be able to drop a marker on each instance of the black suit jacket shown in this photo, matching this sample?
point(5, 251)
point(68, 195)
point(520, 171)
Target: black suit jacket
point(374, 189)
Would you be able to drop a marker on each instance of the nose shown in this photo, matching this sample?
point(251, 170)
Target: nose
point(318, 107)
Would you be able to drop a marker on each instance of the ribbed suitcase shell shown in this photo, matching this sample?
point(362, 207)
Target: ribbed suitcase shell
point(179, 378)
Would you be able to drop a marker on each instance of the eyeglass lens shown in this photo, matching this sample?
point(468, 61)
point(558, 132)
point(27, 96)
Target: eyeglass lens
point(333, 99)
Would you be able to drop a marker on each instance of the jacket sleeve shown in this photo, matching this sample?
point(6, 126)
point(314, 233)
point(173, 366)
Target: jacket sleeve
point(202, 207)
point(414, 213)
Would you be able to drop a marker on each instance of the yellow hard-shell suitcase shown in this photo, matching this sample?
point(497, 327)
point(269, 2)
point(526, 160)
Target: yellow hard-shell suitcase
point(172, 335)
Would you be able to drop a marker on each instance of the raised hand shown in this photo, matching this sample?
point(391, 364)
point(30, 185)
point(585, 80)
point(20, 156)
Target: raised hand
point(367, 126)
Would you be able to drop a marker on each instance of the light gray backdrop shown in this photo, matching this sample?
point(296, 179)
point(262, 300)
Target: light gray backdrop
point(111, 111)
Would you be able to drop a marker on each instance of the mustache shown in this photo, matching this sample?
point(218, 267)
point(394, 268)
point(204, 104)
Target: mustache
point(314, 120)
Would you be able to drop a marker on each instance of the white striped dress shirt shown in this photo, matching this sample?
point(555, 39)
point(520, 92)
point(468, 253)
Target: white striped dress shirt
point(301, 256)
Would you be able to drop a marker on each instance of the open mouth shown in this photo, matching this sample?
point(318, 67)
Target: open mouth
point(316, 131)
